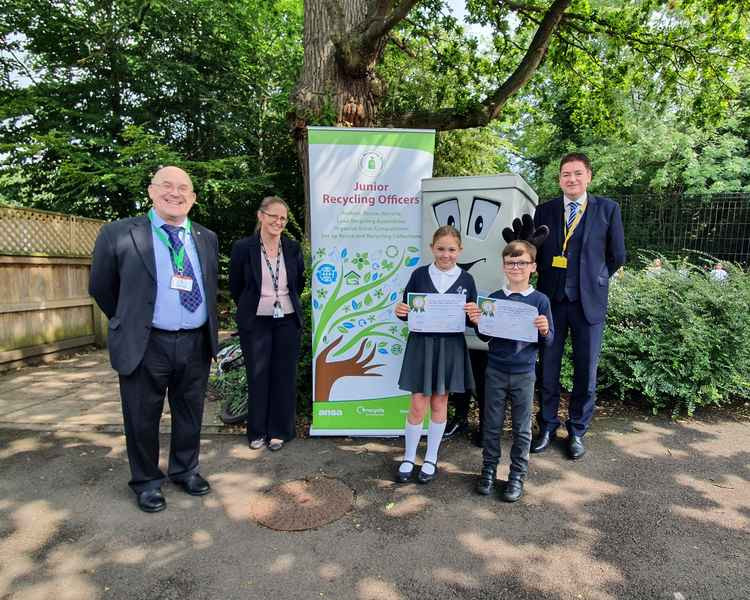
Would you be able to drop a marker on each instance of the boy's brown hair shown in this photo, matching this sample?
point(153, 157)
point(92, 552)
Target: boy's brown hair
point(518, 248)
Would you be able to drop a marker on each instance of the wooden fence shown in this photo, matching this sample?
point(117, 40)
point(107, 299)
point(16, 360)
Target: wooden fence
point(45, 260)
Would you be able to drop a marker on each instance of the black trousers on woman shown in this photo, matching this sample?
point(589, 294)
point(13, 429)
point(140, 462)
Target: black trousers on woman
point(271, 350)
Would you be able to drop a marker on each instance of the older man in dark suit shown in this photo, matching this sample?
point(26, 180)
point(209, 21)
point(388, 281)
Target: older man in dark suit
point(586, 245)
point(155, 278)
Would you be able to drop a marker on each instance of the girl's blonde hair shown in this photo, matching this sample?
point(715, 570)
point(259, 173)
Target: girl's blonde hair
point(444, 230)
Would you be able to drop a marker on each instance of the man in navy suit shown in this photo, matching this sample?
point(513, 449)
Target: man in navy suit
point(586, 245)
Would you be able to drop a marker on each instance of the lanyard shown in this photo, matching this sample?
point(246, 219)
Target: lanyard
point(570, 231)
point(179, 256)
point(274, 276)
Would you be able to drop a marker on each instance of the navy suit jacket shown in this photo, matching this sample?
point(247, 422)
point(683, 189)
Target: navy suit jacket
point(602, 252)
point(245, 277)
point(123, 283)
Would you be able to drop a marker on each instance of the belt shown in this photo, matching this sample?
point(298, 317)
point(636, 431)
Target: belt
point(177, 331)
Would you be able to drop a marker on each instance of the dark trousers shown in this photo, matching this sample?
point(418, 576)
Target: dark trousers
point(271, 351)
point(517, 389)
point(587, 342)
point(175, 364)
point(462, 400)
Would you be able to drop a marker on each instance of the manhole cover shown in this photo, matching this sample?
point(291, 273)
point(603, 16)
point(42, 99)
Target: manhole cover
point(303, 504)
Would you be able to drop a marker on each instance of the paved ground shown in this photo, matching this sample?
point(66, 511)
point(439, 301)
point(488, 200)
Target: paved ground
point(655, 510)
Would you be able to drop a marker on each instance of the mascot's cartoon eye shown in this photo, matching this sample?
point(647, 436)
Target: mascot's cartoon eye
point(447, 212)
point(482, 217)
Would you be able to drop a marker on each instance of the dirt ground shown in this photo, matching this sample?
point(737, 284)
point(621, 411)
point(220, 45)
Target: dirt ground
point(656, 509)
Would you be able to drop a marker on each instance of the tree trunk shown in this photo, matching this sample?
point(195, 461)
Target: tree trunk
point(336, 87)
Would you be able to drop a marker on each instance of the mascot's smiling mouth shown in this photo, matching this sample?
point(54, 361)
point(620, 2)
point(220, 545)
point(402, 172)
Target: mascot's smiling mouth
point(468, 265)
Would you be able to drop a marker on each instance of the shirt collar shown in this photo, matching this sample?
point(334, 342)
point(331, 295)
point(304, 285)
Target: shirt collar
point(157, 221)
point(581, 199)
point(526, 292)
point(455, 271)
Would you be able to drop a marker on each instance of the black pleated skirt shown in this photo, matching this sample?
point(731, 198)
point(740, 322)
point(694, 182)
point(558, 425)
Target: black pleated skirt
point(436, 364)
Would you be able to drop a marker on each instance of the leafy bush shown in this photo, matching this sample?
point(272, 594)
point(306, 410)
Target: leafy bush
point(677, 338)
point(231, 389)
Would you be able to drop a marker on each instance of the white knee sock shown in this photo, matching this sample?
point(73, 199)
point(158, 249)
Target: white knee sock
point(412, 433)
point(434, 437)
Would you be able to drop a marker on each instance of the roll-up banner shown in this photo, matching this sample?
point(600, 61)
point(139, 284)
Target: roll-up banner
point(366, 227)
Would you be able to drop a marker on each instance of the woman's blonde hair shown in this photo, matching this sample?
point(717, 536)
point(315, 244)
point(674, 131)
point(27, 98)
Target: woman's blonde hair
point(270, 201)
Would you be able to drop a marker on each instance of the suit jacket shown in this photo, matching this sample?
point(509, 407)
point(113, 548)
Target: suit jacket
point(245, 277)
point(602, 252)
point(123, 283)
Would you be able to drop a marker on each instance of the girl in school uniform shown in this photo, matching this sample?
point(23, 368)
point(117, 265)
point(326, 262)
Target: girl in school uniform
point(435, 364)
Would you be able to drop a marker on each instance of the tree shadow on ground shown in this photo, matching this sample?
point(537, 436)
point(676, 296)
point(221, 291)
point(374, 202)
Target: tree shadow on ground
point(655, 510)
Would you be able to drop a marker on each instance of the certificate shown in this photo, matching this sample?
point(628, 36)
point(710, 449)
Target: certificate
point(436, 313)
point(507, 319)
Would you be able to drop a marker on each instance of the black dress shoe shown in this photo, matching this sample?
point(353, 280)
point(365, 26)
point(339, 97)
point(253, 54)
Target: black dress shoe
point(423, 477)
point(542, 442)
point(486, 481)
point(513, 490)
point(402, 477)
point(576, 448)
point(195, 485)
point(151, 501)
point(454, 427)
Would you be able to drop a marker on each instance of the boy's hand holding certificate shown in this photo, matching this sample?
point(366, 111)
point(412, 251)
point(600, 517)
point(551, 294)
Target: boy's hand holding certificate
point(507, 319)
point(436, 313)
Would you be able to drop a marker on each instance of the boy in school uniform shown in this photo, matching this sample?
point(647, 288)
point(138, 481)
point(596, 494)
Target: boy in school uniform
point(510, 374)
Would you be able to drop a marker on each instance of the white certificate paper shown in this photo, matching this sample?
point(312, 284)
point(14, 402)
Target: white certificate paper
point(436, 313)
point(507, 319)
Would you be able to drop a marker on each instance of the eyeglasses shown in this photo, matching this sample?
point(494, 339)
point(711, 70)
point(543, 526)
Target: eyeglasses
point(516, 264)
point(171, 188)
point(282, 220)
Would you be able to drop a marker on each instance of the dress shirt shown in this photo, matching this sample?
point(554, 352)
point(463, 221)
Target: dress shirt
point(442, 280)
point(168, 311)
point(526, 292)
point(267, 295)
point(581, 203)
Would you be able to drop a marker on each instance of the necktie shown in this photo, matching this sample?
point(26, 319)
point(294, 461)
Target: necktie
point(190, 300)
point(573, 212)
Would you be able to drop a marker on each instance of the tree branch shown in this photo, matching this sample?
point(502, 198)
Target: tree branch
point(481, 114)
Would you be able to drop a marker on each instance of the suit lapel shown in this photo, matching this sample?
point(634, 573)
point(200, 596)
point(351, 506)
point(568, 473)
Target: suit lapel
point(289, 264)
point(254, 249)
point(556, 227)
point(144, 244)
point(592, 208)
point(201, 250)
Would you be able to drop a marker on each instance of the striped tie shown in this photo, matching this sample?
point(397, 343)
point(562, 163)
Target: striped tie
point(573, 212)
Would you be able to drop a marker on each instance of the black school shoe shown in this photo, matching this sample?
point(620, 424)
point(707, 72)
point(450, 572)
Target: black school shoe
point(486, 482)
point(423, 477)
point(513, 490)
point(402, 477)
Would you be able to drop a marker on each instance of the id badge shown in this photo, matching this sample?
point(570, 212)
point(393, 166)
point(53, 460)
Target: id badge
point(278, 312)
point(182, 283)
point(561, 262)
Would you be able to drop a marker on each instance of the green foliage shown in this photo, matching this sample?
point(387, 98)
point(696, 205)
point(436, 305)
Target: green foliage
point(95, 95)
point(231, 389)
point(677, 339)
point(305, 363)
